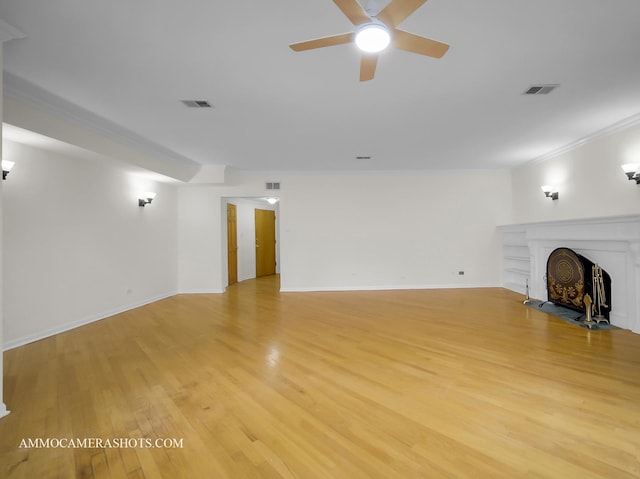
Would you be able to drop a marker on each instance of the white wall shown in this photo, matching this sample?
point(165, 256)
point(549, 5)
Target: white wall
point(246, 232)
point(360, 230)
point(76, 245)
point(590, 181)
point(199, 240)
point(3, 408)
point(402, 230)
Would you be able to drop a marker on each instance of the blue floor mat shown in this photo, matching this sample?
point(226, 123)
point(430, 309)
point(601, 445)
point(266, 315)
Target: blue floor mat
point(566, 314)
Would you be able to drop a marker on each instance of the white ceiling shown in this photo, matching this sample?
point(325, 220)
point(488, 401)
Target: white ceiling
point(131, 62)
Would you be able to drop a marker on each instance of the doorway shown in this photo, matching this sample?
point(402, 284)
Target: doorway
point(241, 258)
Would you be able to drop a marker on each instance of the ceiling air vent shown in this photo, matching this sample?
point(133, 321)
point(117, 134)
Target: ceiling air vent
point(197, 103)
point(540, 89)
point(272, 185)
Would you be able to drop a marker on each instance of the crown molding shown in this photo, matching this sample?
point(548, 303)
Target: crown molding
point(9, 32)
point(23, 91)
point(616, 127)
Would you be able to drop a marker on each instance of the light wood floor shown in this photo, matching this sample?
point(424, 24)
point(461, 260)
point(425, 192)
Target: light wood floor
point(387, 384)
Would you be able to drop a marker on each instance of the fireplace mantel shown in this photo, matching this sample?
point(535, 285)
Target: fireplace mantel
point(612, 242)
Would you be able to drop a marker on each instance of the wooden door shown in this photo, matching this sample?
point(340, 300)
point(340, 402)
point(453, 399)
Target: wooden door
point(265, 242)
point(232, 244)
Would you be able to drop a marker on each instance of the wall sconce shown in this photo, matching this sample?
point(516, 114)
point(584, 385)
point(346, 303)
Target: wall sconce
point(549, 193)
point(631, 170)
point(146, 198)
point(6, 168)
point(272, 201)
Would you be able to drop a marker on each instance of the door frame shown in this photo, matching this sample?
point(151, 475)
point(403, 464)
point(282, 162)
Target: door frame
point(232, 256)
point(246, 260)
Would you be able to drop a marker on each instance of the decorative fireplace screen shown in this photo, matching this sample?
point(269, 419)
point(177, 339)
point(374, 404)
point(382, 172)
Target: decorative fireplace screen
point(570, 276)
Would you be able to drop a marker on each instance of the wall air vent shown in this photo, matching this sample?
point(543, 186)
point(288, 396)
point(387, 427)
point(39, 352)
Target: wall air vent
point(197, 103)
point(272, 185)
point(363, 157)
point(540, 89)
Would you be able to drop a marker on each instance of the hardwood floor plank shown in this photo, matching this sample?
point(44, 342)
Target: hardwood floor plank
point(378, 384)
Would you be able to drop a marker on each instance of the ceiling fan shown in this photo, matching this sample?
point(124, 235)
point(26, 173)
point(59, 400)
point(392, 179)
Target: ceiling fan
point(379, 27)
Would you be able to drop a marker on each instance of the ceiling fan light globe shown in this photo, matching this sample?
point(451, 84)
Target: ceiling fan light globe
point(373, 38)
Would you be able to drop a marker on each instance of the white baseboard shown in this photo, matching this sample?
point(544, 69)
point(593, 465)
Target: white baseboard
point(14, 343)
point(3, 410)
point(396, 287)
point(201, 291)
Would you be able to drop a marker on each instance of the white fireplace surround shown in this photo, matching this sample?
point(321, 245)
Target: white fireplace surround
point(613, 243)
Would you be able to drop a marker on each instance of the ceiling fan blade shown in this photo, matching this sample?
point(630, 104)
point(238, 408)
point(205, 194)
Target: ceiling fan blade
point(323, 42)
point(368, 66)
point(353, 11)
point(397, 11)
point(416, 44)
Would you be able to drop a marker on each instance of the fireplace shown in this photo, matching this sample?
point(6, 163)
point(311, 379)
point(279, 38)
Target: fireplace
point(612, 242)
point(571, 276)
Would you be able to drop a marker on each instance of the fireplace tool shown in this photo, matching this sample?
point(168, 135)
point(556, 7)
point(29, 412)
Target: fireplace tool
point(527, 300)
point(589, 322)
point(599, 295)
